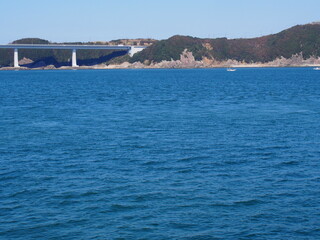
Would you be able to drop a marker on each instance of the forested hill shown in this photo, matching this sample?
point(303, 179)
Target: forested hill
point(301, 39)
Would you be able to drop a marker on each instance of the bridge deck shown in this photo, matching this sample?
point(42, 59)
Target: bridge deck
point(71, 47)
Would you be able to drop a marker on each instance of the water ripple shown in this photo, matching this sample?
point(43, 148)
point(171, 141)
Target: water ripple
point(160, 154)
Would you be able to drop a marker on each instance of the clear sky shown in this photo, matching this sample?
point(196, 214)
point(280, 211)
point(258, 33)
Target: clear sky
point(103, 20)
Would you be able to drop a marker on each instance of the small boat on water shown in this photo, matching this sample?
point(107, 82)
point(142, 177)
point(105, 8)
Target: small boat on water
point(316, 68)
point(231, 69)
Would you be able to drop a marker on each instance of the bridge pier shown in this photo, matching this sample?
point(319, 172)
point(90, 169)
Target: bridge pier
point(74, 58)
point(131, 50)
point(16, 58)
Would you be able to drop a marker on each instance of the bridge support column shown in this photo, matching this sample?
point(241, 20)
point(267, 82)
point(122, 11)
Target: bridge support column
point(15, 58)
point(74, 58)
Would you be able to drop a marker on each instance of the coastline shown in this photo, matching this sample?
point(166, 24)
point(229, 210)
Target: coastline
point(121, 68)
point(133, 66)
point(188, 61)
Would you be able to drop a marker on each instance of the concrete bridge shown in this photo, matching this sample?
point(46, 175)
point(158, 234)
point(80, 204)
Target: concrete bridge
point(130, 49)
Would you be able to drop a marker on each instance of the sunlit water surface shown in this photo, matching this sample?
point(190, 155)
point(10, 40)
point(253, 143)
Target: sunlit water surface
point(160, 154)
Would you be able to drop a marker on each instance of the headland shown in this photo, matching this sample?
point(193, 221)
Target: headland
point(298, 46)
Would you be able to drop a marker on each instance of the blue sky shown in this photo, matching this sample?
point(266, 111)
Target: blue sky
point(99, 20)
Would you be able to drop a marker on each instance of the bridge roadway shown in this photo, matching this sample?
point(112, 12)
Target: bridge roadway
point(131, 49)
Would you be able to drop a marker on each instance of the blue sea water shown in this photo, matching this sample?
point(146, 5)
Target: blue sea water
point(160, 154)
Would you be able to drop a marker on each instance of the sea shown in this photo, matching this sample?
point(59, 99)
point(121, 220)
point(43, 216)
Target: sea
point(192, 154)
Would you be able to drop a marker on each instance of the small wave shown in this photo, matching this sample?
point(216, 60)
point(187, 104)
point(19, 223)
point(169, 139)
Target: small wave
point(47, 178)
point(121, 207)
point(270, 148)
point(250, 202)
point(194, 158)
point(202, 237)
point(152, 163)
point(235, 162)
point(68, 202)
point(11, 208)
point(262, 216)
point(89, 193)
point(6, 178)
point(289, 163)
point(20, 193)
point(185, 171)
point(183, 225)
point(264, 154)
point(148, 196)
point(46, 124)
point(221, 204)
point(305, 233)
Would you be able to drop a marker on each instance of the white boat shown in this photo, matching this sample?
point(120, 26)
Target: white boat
point(231, 69)
point(316, 68)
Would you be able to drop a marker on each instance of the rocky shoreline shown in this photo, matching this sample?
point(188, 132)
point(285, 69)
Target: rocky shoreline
point(187, 61)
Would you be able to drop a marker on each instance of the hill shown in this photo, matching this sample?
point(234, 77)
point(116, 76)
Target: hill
point(296, 46)
point(301, 39)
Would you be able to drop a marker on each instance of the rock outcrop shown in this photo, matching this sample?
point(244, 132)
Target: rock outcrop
point(187, 60)
point(25, 61)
